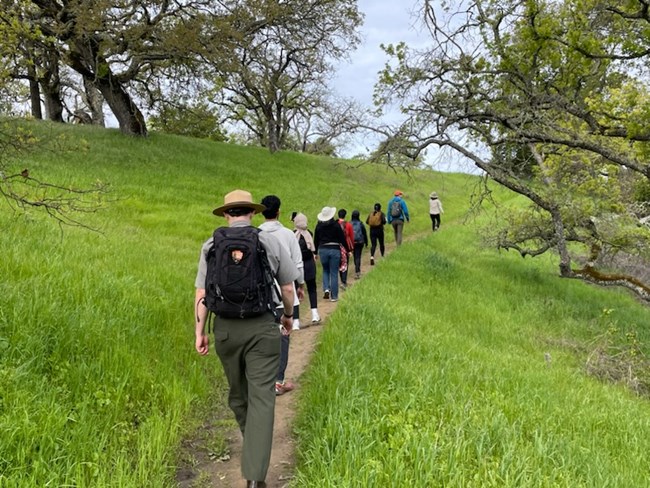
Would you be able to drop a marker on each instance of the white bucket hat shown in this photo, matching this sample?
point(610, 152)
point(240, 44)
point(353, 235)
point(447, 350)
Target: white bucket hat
point(326, 214)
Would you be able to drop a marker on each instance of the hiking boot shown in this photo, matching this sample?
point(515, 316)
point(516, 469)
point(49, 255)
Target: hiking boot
point(283, 387)
point(326, 295)
point(372, 261)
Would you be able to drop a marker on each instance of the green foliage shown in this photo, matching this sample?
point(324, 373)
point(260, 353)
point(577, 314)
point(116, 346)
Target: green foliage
point(549, 99)
point(198, 120)
point(618, 356)
point(642, 191)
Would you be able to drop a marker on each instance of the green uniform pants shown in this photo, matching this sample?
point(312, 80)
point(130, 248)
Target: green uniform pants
point(249, 350)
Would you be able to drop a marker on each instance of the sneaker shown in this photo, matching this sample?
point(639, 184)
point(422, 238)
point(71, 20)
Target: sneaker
point(283, 387)
point(326, 295)
point(372, 261)
point(334, 300)
point(344, 286)
point(296, 325)
point(315, 320)
point(357, 276)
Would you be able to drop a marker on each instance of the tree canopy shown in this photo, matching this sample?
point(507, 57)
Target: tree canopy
point(549, 99)
point(270, 73)
point(259, 62)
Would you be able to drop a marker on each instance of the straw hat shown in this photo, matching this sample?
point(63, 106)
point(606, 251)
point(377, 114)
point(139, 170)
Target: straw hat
point(398, 193)
point(326, 214)
point(433, 195)
point(238, 199)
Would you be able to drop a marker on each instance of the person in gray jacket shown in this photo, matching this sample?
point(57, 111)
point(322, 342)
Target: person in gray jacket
point(273, 226)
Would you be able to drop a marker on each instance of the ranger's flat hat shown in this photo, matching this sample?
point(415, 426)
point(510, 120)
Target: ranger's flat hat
point(238, 199)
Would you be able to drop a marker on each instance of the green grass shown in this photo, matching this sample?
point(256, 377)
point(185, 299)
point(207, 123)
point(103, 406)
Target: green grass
point(455, 366)
point(448, 365)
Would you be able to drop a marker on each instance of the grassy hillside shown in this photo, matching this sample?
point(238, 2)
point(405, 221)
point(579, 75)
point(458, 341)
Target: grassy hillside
point(448, 365)
point(98, 374)
point(452, 365)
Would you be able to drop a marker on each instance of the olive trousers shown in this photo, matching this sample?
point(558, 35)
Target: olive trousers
point(249, 350)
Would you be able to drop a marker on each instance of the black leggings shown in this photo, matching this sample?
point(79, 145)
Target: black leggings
point(311, 290)
point(376, 235)
point(358, 247)
point(435, 221)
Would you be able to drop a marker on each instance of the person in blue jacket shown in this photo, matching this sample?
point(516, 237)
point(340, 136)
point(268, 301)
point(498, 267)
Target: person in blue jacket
point(397, 213)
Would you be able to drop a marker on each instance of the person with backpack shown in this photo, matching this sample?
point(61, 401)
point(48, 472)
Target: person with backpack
point(376, 221)
point(306, 242)
point(435, 209)
point(349, 246)
point(329, 240)
point(273, 226)
point(238, 269)
point(360, 240)
point(398, 213)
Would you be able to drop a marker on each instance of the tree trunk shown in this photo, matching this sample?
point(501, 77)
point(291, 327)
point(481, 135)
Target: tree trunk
point(34, 88)
point(51, 86)
point(84, 57)
point(53, 104)
point(35, 97)
point(126, 112)
point(561, 246)
point(95, 102)
point(273, 142)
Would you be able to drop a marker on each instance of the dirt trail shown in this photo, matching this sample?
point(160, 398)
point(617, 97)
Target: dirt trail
point(226, 473)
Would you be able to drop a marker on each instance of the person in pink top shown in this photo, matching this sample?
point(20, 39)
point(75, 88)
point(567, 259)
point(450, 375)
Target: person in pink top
point(349, 239)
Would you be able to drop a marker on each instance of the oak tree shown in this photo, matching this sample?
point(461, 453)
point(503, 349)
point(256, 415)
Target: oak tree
point(548, 99)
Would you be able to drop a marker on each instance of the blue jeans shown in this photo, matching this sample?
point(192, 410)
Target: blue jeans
point(330, 259)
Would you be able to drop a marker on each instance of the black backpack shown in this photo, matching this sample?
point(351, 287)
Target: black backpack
point(358, 231)
point(239, 281)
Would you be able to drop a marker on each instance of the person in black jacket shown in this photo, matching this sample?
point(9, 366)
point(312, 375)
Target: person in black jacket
point(329, 241)
point(360, 241)
point(376, 221)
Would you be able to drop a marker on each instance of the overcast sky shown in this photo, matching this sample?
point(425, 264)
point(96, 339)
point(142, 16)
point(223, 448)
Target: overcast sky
point(386, 22)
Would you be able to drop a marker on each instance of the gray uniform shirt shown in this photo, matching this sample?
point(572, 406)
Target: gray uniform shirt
point(284, 269)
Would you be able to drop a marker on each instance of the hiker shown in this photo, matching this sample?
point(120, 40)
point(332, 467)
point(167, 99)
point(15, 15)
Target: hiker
point(398, 213)
point(376, 221)
point(349, 246)
point(273, 226)
point(435, 209)
point(360, 240)
point(247, 341)
point(306, 242)
point(329, 241)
